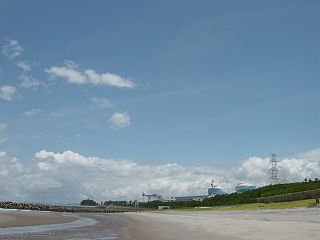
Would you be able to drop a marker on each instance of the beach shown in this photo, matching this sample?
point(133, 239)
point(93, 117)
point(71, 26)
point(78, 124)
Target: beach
point(302, 223)
point(295, 224)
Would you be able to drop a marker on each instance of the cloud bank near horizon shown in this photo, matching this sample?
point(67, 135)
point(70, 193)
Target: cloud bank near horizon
point(70, 177)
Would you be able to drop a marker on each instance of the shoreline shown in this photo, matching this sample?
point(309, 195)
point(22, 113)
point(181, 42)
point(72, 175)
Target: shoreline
point(81, 226)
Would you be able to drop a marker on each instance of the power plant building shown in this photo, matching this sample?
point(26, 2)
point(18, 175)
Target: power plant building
point(215, 190)
point(243, 187)
point(212, 191)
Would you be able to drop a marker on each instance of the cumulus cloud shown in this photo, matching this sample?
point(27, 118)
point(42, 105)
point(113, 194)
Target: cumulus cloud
point(70, 176)
point(119, 120)
point(254, 169)
point(311, 155)
point(71, 72)
point(32, 112)
point(28, 81)
point(7, 92)
point(24, 65)
point(12, 50)
point(9, 177)
point(102, 102)
point(8, 165)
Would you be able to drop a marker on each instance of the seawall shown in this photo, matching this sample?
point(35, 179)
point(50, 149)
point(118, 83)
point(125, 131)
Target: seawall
point(291, 197)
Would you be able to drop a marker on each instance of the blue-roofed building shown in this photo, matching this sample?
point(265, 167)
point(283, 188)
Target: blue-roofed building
point(212, 191)
point(215, 190)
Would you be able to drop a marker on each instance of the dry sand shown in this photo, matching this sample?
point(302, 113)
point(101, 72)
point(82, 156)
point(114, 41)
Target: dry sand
point(294, 224)
point(31, 218)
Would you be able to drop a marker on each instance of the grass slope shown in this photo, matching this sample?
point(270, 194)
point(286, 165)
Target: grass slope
point(252, 206)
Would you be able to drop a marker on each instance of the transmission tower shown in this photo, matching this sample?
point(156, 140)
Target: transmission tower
point(273, 170)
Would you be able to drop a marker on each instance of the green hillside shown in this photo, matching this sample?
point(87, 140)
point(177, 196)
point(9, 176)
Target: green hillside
point(242, 198)
point(267, 191)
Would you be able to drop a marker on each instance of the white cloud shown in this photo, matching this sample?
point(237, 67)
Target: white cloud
point(10, 176)
point(24, 65)
point(70, 176)
point(7, 92)
point(311, 155)
point(108, 79)
point(254, 170)
point(2, 139)
point(12, 49)
point(102, 102)
point(28, 81)
point(32, 112)
point(3, 126)
point(119, 120)
point(68, 71)
point(71, 72)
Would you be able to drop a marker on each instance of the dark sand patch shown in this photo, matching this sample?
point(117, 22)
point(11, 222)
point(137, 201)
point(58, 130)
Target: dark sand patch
point(105, 227)
point(31, 218)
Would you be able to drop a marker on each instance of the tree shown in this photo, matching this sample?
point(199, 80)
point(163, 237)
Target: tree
point(88, 202)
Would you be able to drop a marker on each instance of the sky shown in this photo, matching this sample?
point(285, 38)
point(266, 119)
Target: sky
point(109, 99)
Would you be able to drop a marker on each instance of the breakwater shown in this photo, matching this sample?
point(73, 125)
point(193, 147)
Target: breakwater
point(57, 208)
point(291, 197)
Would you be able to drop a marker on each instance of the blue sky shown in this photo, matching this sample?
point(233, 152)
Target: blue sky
point(109, 99)
point(207, 81)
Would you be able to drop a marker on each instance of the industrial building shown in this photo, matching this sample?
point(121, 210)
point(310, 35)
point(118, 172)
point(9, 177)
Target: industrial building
point(212, 191)
point(191, 198)
point(243, 187)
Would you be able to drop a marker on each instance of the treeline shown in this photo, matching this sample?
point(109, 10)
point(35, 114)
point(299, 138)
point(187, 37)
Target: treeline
point(241, 198)
point(121, 203)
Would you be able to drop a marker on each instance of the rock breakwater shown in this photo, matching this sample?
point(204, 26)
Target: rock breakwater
point(57, 208)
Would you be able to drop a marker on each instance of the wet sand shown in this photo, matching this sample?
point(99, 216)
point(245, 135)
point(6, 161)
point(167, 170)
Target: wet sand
point(86, 226)
point(31, 218)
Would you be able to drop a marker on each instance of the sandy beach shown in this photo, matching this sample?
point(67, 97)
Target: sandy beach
point(295, 224)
